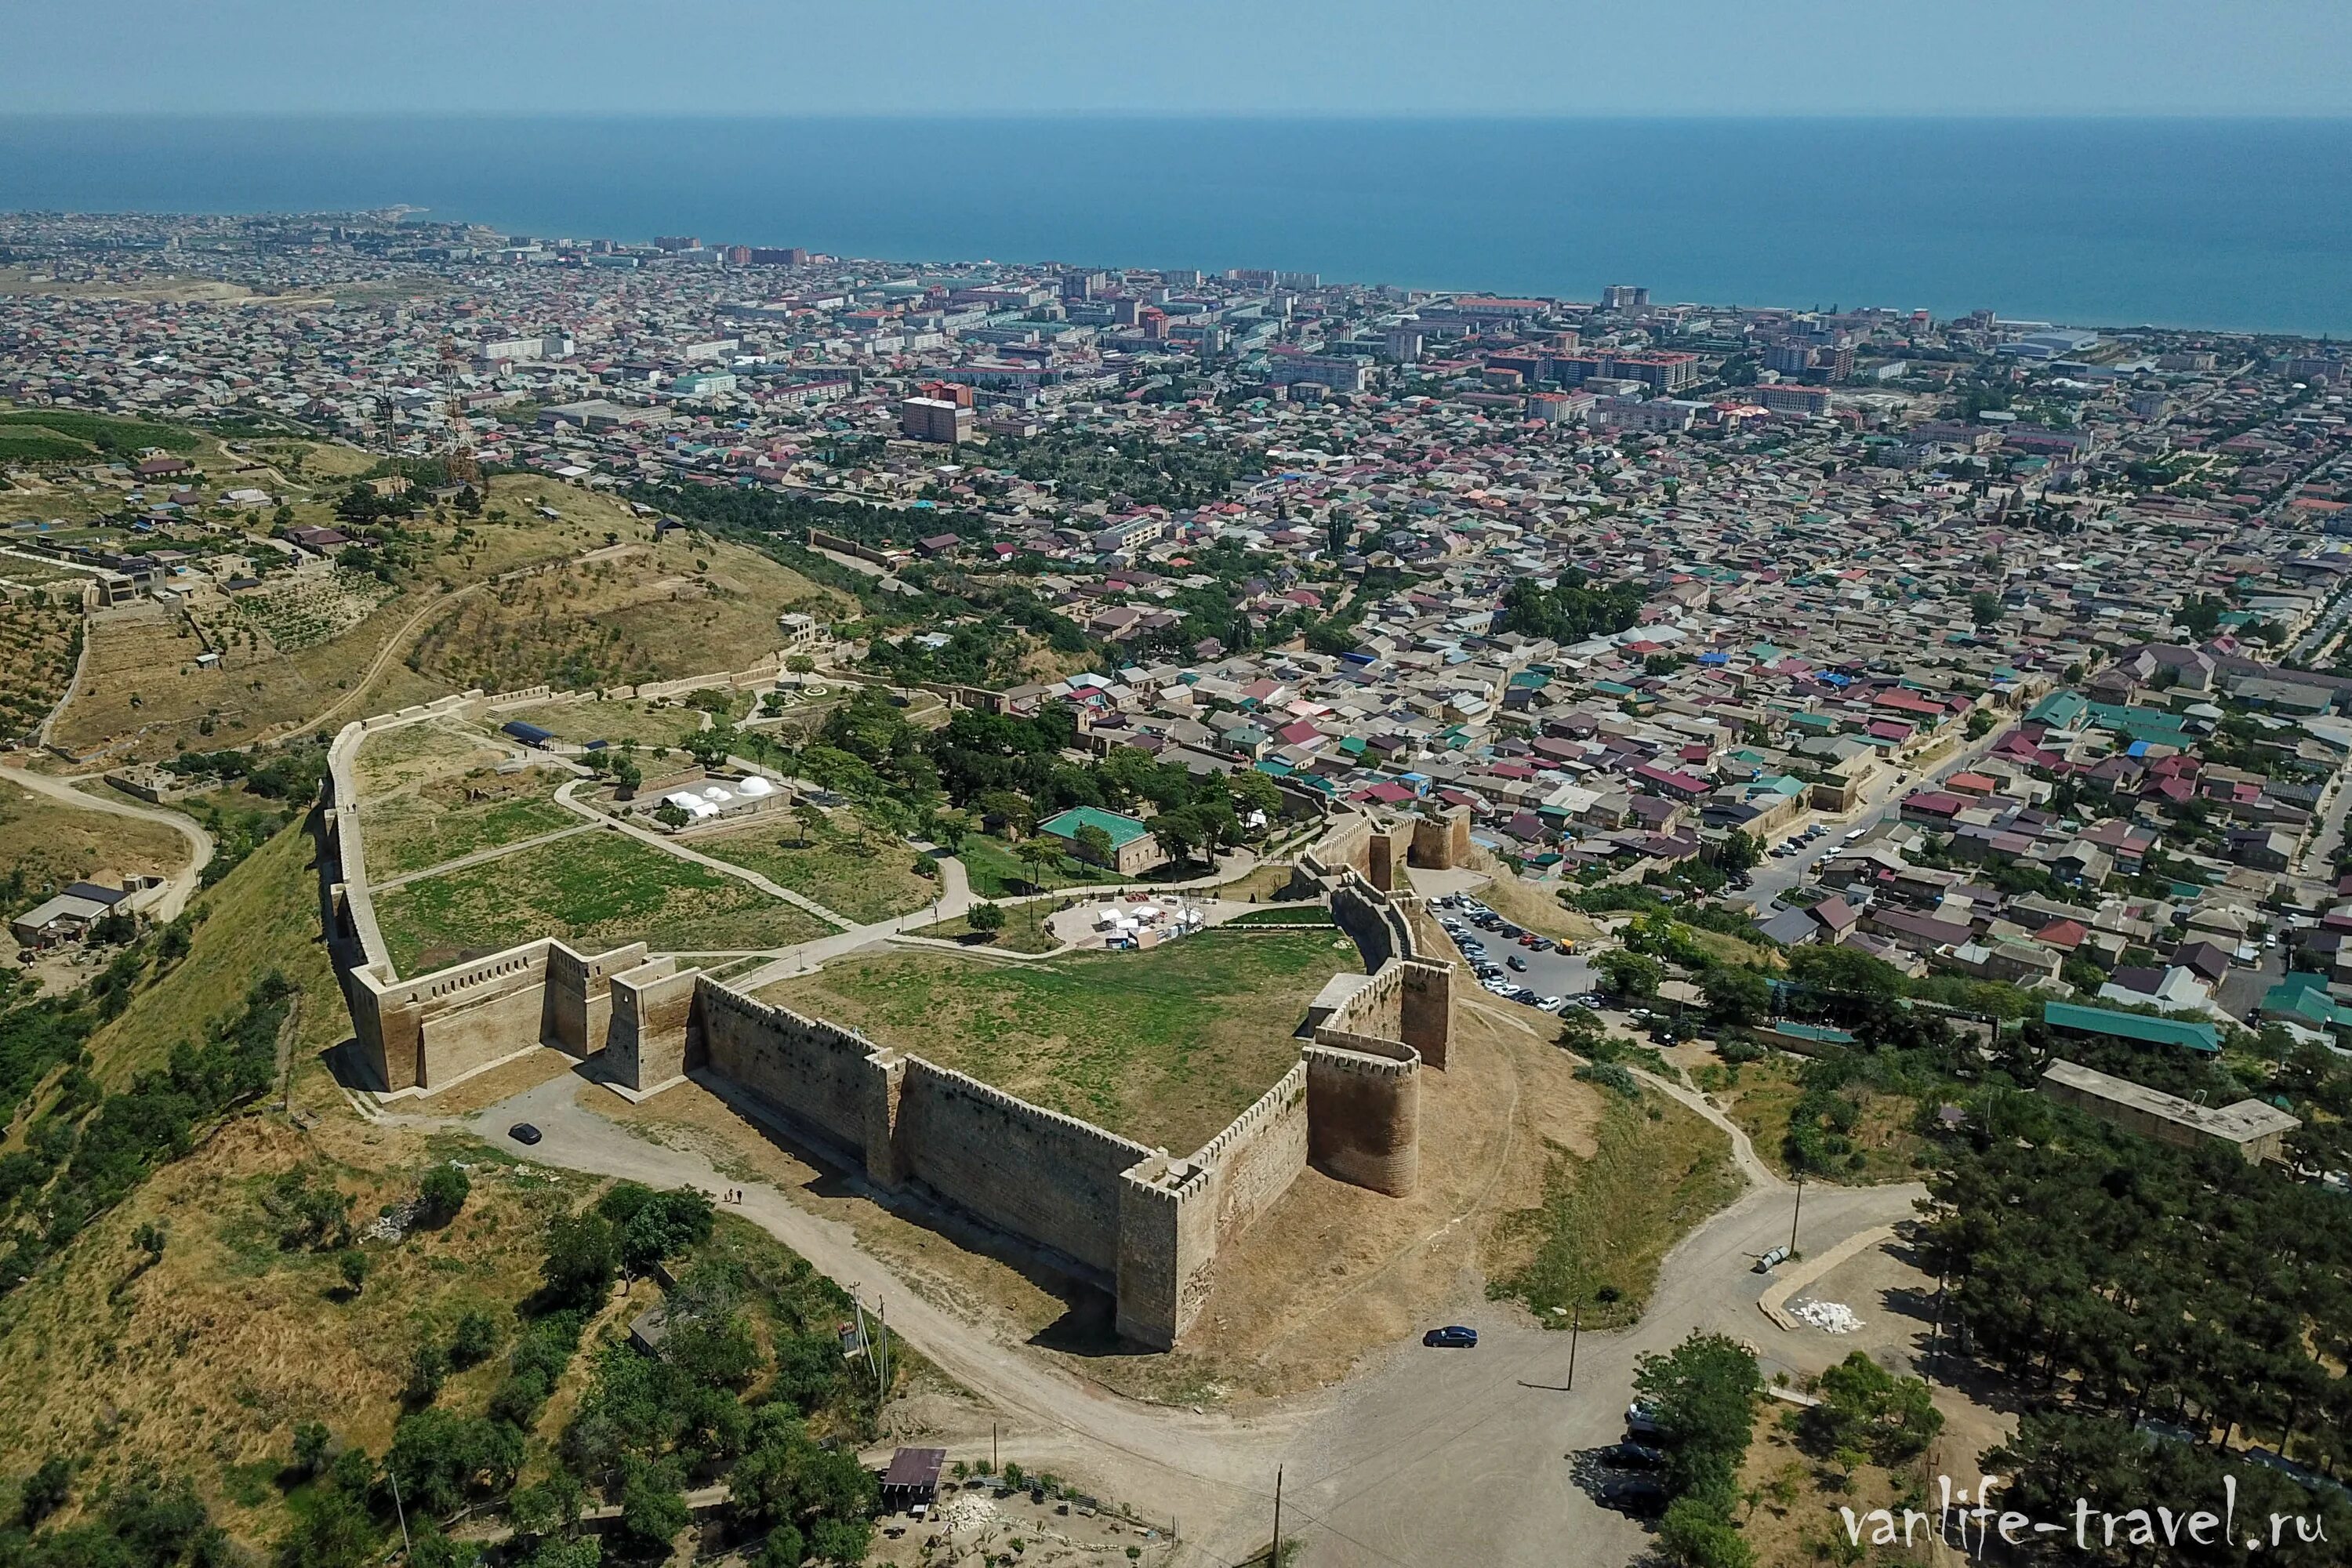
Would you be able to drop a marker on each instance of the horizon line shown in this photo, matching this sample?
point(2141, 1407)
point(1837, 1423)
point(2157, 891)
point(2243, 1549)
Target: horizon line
point(2271, 116)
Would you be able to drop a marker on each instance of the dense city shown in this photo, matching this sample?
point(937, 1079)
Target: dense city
point(1912, 748)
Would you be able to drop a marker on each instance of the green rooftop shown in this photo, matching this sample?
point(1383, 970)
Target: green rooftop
point(2138, 1027)
point(1065, 825)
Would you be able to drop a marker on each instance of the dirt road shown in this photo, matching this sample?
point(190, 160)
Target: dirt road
point(1429, 1457)
point(181, 885)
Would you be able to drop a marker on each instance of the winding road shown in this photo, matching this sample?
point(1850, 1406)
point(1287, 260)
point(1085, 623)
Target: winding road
point(181, 885)
point(1424, 1457)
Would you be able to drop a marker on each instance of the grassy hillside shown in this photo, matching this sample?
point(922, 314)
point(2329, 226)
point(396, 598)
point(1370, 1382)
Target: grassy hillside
point(272, 1274)
point(642, 612)
point(44, 844)
point(323, 647)
point(264, 915)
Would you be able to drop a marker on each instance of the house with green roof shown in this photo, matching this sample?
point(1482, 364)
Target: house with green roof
point(2060, 709)
point(1120, 844)
point(2302, 997)
point(2138, 1028)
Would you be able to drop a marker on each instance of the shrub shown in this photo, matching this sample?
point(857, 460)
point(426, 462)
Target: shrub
point(1610, 1076)
point(474, 1340)
point(442, 1194)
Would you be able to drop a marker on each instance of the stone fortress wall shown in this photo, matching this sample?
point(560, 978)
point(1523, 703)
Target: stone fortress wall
point(1141, 1223)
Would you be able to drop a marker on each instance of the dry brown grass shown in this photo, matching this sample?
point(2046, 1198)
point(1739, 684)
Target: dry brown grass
point(36, 659)
point(145, 692)
point(647, 611)
point(141, 685)
point(1535, 907)
point(203, 1364)
point(52, 843)
point(1759, 1096)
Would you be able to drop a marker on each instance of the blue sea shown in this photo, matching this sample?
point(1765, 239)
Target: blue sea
point(2233, 224)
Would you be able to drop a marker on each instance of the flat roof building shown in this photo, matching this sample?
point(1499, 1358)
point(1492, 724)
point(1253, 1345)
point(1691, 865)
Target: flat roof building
point(2256, 1129)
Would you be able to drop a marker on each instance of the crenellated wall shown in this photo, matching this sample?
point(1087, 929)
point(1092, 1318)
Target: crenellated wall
point(1363, 1110)
point(422, 1035)
point(1036, 1172)
point(813, 1071)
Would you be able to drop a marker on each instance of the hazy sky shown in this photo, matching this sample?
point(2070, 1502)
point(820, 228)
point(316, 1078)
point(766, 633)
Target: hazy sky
point(1217, 57)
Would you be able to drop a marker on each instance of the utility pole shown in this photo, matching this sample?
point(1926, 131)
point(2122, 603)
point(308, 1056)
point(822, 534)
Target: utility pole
point(992, 1448)
point(1274, 1558)
point(399, 1509)
point(1575, 1327)
point(1799, 1213)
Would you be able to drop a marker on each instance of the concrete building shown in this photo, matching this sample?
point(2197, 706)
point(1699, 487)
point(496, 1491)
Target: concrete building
point(1132, 847)
point(935, 419)
point(2256, 1129)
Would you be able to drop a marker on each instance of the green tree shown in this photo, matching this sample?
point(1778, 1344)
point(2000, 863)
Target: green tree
point(653, 1506)
point(1985, 608)
point(1094, 845)
point(1039, 854)
point(352, 1263)
point(1253, 792)
point(336, 1531)
point(1735, 996)
point(1628, 973)
point(1699, 1536)
point(987, 919)
point(1177, 833)
point(1864, 1407)
point(474, 1340)
point(428, 1370)
point(1703, 1394)
point(313, 1447)
point(46, 1489)
point(581, 1261)
point(442, 1193)
point(1740, 851)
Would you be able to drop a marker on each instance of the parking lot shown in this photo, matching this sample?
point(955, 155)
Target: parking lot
point(1547, 973)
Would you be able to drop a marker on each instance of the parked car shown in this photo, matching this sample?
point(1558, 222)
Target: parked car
point(1642, 1495)
point(1516, 961)
point(523, 1133)
point(1641, 1421)
point(1554, 1004)
point(1453, 1337)
point(1633, 1457)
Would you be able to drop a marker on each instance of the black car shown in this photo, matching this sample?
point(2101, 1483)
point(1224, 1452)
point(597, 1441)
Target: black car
point(1633, 1457)
point(1642, 1495)
point(1453, 1337)
point(523, 1133)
